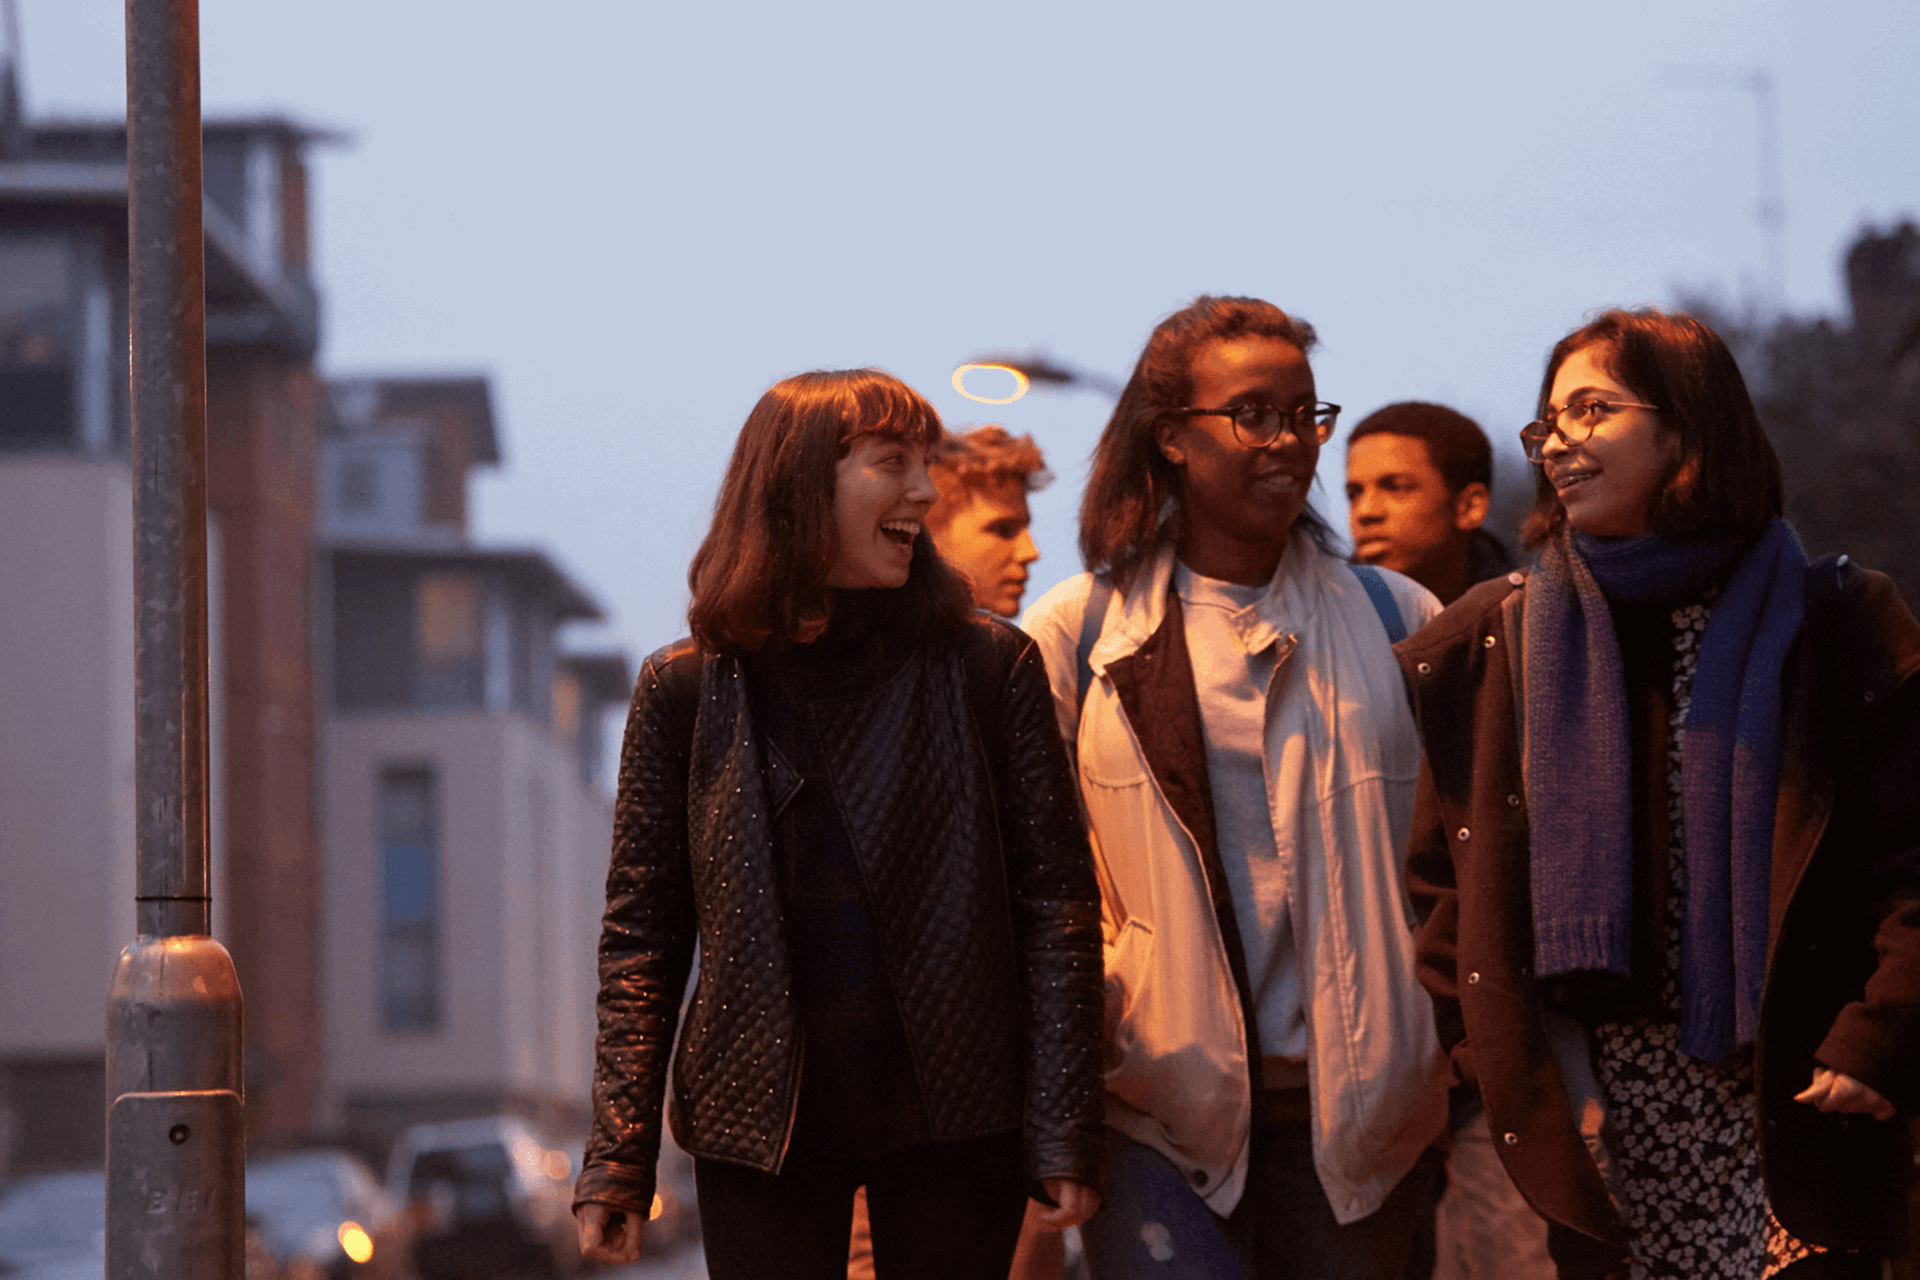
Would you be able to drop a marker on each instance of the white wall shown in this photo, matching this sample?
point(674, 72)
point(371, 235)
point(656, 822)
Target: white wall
point(516, 956)
point(560, 838)
point(66, 748)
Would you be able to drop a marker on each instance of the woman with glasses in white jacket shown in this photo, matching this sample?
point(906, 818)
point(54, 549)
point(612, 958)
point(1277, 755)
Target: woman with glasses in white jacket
point(1247, 760)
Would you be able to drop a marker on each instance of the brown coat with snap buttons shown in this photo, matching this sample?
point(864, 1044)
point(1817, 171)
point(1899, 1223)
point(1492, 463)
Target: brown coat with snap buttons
point(1843, 975)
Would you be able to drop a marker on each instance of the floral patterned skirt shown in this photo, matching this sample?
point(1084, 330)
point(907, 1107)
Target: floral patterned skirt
point(1686, 1159)
point(1681, 1133)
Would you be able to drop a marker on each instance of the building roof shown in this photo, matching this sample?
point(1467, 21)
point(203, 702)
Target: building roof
point(65, 181)
point(79, 135)
point(359, 400)
point(70, 163)
point(528, 565)
point(604, 677)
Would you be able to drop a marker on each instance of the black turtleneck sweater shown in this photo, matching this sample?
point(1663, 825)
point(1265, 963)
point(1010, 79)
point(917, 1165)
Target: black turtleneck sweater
point(858, 1095)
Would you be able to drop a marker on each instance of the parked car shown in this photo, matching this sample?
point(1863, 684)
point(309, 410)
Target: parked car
point(324, 1216)
point(54, 1227)
point(488, 1198)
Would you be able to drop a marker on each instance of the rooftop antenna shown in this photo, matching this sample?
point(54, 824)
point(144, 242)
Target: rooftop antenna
point(13, 128)
point(1769, 210)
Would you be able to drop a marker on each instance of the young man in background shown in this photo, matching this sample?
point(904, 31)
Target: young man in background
point(1419, 482)
point(980, 522)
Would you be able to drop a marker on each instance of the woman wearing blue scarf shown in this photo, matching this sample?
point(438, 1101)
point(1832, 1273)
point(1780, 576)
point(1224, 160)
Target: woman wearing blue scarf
point(1666, 858)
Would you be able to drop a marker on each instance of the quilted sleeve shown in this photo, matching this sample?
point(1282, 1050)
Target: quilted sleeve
point(646, 940)
point(1056, 918)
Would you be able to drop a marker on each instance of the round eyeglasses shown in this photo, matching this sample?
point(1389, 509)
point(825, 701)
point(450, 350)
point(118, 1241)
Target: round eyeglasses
point(1258, 425)
point(1573, 422)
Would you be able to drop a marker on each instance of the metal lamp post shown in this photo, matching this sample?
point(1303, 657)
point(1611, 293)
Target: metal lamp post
point(175, 1129)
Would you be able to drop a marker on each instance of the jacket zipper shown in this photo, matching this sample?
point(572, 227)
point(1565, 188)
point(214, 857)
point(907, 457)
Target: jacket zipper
point(793, 1101)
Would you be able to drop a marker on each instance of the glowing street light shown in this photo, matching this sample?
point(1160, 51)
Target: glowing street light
point(1030, 369)
point(1020, 381)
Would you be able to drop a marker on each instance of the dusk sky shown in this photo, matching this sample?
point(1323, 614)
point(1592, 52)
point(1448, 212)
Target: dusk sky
point(634, 217)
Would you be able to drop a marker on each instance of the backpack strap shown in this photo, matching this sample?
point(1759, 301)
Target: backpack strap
point(1098, 597)
point(1383, 602)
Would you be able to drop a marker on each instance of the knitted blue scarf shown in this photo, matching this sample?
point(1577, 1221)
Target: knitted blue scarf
point(1579, 762)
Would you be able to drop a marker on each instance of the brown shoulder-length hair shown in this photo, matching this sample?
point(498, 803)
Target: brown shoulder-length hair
point(1133, 500)
point(1727, 478)
point(761, 573)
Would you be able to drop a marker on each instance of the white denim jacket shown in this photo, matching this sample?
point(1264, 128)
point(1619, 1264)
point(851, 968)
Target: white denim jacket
point(1342, 759)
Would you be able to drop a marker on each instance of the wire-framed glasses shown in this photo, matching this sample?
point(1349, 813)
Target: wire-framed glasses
point(1573, 422)
point(1259, 425)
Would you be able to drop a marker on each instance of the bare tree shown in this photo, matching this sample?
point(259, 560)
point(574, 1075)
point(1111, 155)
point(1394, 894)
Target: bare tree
point(1842, 405)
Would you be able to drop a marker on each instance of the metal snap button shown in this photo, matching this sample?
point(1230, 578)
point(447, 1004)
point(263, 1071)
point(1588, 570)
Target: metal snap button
point(1473, 979)
point(1461, 834)
point(1199, 1177)
point(1487, 643)
point(1513, 802)
point(1511, 1139)
point(1517, 578)
point(1425, 668)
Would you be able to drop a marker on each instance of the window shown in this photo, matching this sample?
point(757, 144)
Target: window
point(452, 656)
point(409, 964)
point(37, 321)
point(370, 485)
point(359, 485)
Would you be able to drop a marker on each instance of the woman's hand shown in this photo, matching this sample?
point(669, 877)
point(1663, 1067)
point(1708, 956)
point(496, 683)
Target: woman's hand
point(608, 1234)
point(1837, 1091)
point(1073, 1203)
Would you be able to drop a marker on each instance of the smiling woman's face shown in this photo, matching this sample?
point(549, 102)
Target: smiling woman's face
point(1609, 482)
point(881, 492)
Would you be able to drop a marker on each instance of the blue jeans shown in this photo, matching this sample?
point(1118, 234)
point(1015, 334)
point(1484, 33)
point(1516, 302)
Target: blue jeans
point(1484, 1229)
point(1151, 1226)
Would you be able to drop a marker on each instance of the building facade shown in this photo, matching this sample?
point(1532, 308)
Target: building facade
point(467, 826)
point(409, 830)
point(66, 597)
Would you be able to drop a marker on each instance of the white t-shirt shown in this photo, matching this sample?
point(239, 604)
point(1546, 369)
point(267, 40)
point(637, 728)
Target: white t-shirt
point(1232, 686)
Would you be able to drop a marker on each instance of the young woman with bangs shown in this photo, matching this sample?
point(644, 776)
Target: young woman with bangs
point(1667, 848)
point(847, 788)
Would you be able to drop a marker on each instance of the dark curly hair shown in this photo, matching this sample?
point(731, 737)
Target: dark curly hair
point(1133, 500)
point(990, 455)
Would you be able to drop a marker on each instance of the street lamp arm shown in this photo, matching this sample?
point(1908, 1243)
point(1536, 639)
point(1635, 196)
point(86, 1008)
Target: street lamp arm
point(1042, 369)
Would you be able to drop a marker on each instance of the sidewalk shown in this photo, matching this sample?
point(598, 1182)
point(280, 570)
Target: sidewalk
point(686, 1263)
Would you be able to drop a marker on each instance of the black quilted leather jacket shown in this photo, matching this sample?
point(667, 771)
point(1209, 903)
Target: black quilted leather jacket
point(958, 800)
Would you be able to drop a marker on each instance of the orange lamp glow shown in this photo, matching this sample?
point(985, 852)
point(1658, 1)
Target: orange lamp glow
point(1020, 382)
point(355, 1242)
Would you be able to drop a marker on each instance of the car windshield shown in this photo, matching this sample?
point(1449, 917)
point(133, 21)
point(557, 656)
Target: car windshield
point(291, 1198)
point(483, 1164)
point(65, 1213)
